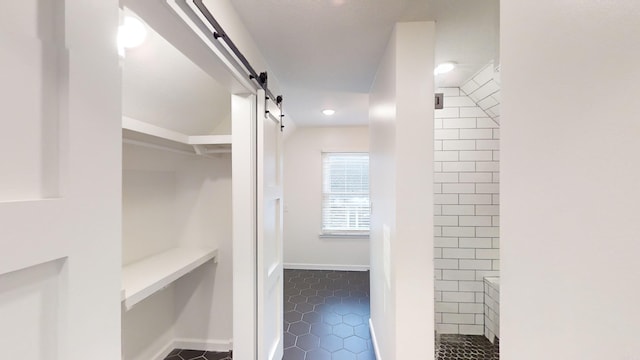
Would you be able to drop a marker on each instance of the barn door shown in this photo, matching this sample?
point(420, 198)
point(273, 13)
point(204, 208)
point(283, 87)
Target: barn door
point(269, 230)
point(59, 180)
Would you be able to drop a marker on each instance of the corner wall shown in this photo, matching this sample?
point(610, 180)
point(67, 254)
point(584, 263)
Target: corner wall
point(401, 138)
point(60, 132)
point(303, 248)
point(569, 180)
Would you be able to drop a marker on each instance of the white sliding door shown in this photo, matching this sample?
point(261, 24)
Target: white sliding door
point(59, 180)
point(269, 234)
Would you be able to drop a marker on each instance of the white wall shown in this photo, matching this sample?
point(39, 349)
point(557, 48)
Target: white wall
point(303, 248)
point(148, 328)
point(401, 138)
point(466, 187)
point(60, 175)
point(570, 175)
point(204, 301)
point(175, 200)
point(194, 103)
point(163, 19)
point(172, 200)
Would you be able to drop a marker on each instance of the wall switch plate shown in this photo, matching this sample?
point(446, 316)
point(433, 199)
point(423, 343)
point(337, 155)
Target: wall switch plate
point(439, 104)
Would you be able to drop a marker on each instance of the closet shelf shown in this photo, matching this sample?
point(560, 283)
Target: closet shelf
point(150, 275)
point(141, 133)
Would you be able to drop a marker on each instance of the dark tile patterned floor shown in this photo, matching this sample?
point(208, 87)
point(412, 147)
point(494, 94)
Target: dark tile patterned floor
point(326, 315)
point(466, 347)
point(181, 354)
point(327, 318)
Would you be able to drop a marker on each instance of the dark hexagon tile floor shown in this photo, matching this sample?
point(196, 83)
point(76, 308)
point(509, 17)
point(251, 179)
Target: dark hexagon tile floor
point(326, 315)
point(466, 347)
point(327, 318)
point(184, 354)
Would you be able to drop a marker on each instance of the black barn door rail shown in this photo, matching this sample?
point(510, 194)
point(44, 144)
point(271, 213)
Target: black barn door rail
point(219, 34)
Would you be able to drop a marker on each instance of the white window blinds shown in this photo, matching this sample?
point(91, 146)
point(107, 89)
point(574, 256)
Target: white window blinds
point(345, 193)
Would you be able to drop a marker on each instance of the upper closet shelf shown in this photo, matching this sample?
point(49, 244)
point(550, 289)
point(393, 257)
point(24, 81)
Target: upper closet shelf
point(141, 133)
point(150, 275)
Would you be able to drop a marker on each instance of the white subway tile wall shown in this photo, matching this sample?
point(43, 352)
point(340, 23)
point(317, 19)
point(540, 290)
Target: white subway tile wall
point(466, 206)
point(492, 308)
point(484, 90)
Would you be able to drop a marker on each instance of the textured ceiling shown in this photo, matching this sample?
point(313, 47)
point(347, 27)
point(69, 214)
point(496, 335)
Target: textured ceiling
point(326, 44)
point(326, 52)
point(467, 32)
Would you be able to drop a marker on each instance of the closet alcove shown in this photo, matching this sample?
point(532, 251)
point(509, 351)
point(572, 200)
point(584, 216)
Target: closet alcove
point(176, 204)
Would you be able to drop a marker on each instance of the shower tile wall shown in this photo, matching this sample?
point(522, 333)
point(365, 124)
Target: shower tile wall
point(467, 220)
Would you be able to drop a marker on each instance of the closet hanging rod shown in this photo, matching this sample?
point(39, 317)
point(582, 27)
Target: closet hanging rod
point(220, 34)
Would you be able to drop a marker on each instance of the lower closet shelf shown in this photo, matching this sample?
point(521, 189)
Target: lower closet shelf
point(147, 276)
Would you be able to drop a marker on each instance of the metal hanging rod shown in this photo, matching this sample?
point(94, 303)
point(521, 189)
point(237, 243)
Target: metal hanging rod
point(219, 34)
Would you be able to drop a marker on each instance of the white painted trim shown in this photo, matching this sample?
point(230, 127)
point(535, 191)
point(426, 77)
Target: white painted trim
point(343, 236)
point(326, 267)
point(166, 350)
point(209, 139)
point(204, 344)
point(153, 130)
point(194, 344)
point(243, 158)
point(374, 340)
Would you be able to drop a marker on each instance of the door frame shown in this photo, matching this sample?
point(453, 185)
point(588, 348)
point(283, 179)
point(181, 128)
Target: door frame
point(247, 340)
point(244, 180)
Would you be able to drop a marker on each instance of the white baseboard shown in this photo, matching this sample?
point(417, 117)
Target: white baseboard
point(326, 267)
point(374, 340)
point(162, 354)
point(204, 344)
point(194, 344)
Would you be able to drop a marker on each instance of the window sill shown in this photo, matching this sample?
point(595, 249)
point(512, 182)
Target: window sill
point(343, 236)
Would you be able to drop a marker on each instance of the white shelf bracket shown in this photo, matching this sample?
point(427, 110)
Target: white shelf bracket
point(200, 149)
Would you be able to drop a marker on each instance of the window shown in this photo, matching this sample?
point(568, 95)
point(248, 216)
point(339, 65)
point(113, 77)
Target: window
point(345, 194)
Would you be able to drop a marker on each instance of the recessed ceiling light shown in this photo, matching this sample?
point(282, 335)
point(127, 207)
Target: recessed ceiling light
point(328, 112)
point(131, 33)
point(444, 68)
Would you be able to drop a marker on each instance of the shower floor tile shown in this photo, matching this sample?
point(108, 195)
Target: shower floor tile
point(466, 347)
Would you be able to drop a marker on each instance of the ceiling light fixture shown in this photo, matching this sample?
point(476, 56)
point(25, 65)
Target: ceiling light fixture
point(131, 33)
point(444, 68)
point(328, 112)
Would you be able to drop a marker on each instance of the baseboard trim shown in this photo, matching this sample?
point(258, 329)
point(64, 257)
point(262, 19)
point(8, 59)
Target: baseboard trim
point(166, 350)
point(336, 267)
point(204, 344)
point(374, 340)
point(194, 344)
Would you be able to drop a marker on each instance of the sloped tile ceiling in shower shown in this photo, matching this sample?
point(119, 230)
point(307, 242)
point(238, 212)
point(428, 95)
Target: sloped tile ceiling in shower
point(484, 89)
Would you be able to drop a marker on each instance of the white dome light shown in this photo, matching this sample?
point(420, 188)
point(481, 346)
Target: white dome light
point(131, 33)
point(328, 112)
point(444, 68)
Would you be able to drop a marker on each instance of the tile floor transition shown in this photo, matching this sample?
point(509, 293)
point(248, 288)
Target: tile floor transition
point(466, 347)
